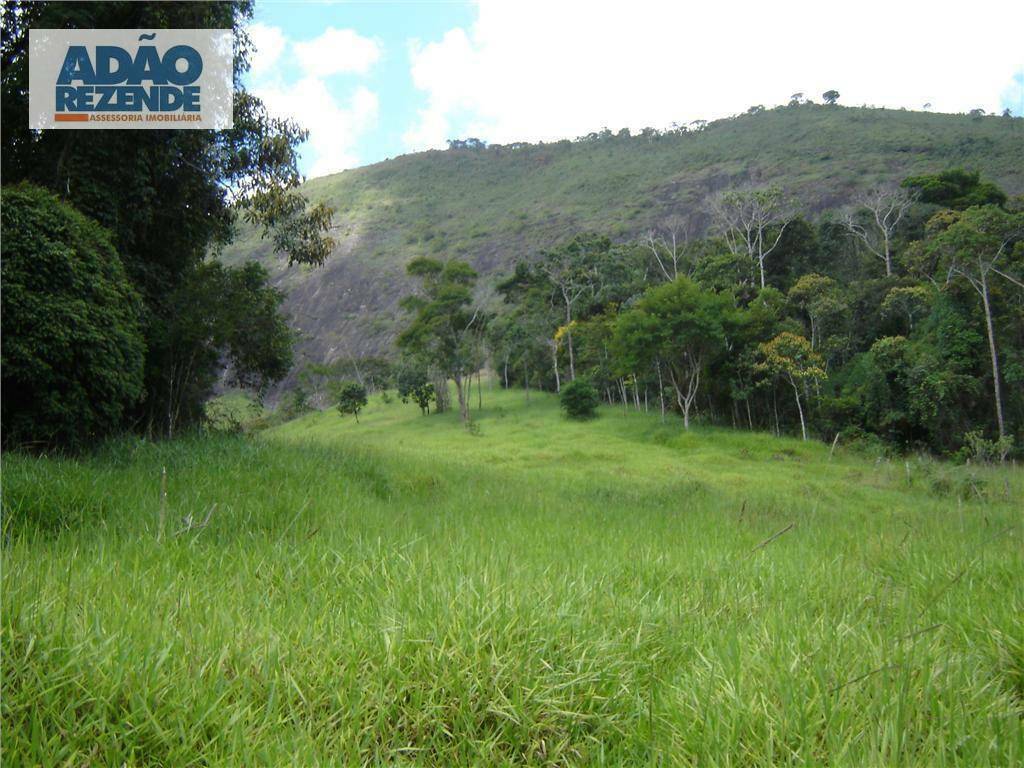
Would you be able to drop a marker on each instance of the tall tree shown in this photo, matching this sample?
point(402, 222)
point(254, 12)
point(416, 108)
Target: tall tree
point(572, 272)
point(883, 208)
point(680, 326)
point(819, 299)
point(752, 222)
point(668, 248)
point(790, 357)
point(978, 246)
point(446, 325)
point(170, 198)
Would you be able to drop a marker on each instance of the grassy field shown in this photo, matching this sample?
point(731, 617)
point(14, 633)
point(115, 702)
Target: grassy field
point(535, 591)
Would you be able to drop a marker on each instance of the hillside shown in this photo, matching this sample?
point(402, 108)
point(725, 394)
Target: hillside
point(495, 205)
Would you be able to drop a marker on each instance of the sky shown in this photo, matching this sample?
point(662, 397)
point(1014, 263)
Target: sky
point(375, 80)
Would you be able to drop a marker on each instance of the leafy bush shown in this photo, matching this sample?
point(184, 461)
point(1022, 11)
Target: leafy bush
point(579, 399)
point(297, 403)
point(235, 413)
point(351, 398)
point(982, 451)
point(73, 350)
point(414, 384)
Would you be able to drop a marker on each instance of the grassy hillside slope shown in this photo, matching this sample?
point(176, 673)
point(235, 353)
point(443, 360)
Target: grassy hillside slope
point(400, 592)
point(496, 205)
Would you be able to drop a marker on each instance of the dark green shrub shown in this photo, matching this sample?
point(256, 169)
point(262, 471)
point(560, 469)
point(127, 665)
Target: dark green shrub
point(579, 399)
point(351, 398)
point(72, 357)
point(415, 385)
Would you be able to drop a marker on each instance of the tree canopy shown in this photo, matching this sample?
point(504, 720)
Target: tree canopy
point(171, 199)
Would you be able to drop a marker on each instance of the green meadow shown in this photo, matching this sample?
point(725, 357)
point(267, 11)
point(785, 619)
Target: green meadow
point(532, 591)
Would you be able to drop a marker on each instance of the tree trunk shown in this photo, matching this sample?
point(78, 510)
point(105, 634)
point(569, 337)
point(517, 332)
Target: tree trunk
point(799, 409)
point(479, 393)
point(461, 392)
point(661, 393)
point(554, 359)
point(572, 359)
point(568, 336)
point(441, 401)
point(686, 401)
point(996, 390)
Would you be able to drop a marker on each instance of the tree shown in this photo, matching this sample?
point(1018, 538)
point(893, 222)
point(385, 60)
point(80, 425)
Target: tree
point(414, 384)
point(170, 198)
point(445, 323)
point(830, 97)
point(818, 297)
point(884, 208)
point(752, 222)
point(790, 357)
point(532, 320)
point(72, 354)
point(351, 398)
point(579, 399)
point(677, 325)
point(669, 249)
point(227, 324)
point(571, 271)
point(910, 301)
point(955, 188)
point(978, 246)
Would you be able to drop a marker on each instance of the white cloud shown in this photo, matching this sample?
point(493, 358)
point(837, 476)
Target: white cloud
point(335, 125)
point(336, 51)
point(269, 43)
point(526, 73)
point(333, 128)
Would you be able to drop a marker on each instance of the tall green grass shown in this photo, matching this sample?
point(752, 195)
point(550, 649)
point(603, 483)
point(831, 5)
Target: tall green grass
point(539, 592)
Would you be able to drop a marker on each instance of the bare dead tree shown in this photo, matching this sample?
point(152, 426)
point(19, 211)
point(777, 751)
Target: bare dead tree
point(571, 282)
point(752, 222)
point(884, 208)
point(669, 247)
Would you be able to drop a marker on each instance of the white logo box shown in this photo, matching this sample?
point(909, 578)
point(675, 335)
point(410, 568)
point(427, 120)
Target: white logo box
point(103, 79)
